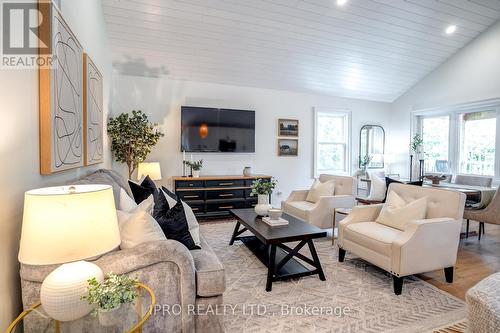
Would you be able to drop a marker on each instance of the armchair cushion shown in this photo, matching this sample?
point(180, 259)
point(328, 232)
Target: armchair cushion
point(319, 189)
point(373, 236)
point(298, 208)
point(397, 213)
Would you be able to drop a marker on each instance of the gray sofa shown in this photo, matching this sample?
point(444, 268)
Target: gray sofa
point(192, 279)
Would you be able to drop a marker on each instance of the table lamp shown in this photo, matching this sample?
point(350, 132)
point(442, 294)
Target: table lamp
point(64, 225)
point(151, 169)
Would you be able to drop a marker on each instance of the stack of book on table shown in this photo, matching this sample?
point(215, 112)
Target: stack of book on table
point(274, 223)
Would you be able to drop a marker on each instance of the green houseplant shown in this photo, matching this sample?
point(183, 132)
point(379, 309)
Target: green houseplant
point(109, 295)
point(132, 138)
point(195, 166)
point(263, 189)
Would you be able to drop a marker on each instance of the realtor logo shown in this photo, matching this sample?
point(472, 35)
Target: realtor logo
point(23, 43)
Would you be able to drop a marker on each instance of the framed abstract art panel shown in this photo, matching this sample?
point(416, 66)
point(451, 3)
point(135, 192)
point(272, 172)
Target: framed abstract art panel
point(60, 97)
point(93, 119)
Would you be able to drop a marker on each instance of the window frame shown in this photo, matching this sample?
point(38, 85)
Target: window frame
point(454, 113)
point(347, 114)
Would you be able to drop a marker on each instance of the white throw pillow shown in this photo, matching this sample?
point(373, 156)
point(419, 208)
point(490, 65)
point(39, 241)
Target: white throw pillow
point(397, 213)
point(138, 227)
point(378, 188)
point(127, 204)
point(319, 189)
point(193, 225)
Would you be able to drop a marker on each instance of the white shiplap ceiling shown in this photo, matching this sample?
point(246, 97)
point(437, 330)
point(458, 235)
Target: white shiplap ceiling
point(369, 49)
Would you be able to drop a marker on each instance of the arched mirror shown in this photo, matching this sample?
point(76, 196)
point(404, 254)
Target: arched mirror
point(371, 147)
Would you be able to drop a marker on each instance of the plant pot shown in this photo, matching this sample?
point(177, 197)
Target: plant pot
point(108, 318)
point(263, 205)
point(196, 173)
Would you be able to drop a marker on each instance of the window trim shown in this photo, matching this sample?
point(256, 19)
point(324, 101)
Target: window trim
point(348, 128)
point(454, 112)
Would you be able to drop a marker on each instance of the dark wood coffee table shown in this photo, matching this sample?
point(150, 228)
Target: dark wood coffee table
point(268, 245)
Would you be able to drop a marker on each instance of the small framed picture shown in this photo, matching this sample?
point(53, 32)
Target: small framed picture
point(288, 147)
point(288, 127)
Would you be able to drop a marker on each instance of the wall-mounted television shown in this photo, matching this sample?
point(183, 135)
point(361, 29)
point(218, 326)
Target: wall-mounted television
point(217, 130)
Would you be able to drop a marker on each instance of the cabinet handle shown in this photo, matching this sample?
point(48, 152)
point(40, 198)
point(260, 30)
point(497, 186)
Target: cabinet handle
point(225, 184)
point(190, 196)
point(225, 207)
point(226, 195)
point(191, 184)
point(195, 209)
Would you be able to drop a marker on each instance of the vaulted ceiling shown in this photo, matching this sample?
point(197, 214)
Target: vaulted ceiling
point(369, 49)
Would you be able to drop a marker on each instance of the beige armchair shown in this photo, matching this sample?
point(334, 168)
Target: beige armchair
point(425, 245)
point(320, 213)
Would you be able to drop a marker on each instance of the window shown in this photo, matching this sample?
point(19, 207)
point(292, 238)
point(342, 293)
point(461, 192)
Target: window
point(435, 134)
point(332, 149)
point(477, 143)
point(462, 139)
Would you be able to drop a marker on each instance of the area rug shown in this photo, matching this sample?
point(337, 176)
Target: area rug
point(356, 296)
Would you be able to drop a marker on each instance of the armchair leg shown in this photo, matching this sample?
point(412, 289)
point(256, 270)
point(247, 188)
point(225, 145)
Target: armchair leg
point(448, 273)
point(480, 229)
point(341, 254)
point(398, 284)
point(467, 229)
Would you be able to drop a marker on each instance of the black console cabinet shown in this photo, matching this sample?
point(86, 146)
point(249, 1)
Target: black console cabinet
point(216, 195)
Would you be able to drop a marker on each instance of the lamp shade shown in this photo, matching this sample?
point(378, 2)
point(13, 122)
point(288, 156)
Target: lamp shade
point(69, 223)
point(151, 169)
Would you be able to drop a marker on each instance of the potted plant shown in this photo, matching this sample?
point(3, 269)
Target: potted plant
point(132, 138)
point(109, 296)
point(364, 162)
point(263, 189)
point(195, 167)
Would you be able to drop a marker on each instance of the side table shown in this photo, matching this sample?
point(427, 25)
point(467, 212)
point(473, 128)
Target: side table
point(338, 211)
point(136, 315)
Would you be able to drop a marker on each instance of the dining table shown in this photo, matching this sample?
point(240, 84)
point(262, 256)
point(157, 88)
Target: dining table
point(478, 197)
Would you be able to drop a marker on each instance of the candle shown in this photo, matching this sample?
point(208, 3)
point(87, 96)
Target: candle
point(191, 157)
point(183, 155)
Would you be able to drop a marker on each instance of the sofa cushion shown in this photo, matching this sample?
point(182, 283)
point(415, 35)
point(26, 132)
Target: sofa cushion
point(298, 208)
point(138, 227)
point(143, 190)
point(117, 178)
point(374, 236)
point(102, 178)
point(210, 276)
point(173, 221)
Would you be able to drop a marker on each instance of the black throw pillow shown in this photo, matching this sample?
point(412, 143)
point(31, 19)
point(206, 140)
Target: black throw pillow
point(173, 221)
point(169, 193)
point(389, 181)
point(142, 191)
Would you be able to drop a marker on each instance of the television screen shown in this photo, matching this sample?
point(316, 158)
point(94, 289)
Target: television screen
point(217, 130)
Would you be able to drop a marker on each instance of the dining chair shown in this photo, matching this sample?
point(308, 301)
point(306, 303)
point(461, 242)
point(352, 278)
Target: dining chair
point(473, 180)
point(490, 214)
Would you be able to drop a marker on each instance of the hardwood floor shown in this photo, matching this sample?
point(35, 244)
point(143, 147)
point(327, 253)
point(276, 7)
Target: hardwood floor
point(476, 260)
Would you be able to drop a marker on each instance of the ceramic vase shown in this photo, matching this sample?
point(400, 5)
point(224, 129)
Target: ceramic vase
point(263, 205)
point(196, 173)
point(247, 171)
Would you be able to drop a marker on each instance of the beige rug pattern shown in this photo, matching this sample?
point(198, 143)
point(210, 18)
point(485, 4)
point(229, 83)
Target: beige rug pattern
point(363, 292)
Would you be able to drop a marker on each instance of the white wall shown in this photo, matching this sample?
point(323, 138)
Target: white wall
point(161, 99)
point(19, 145)
point(473, 74)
